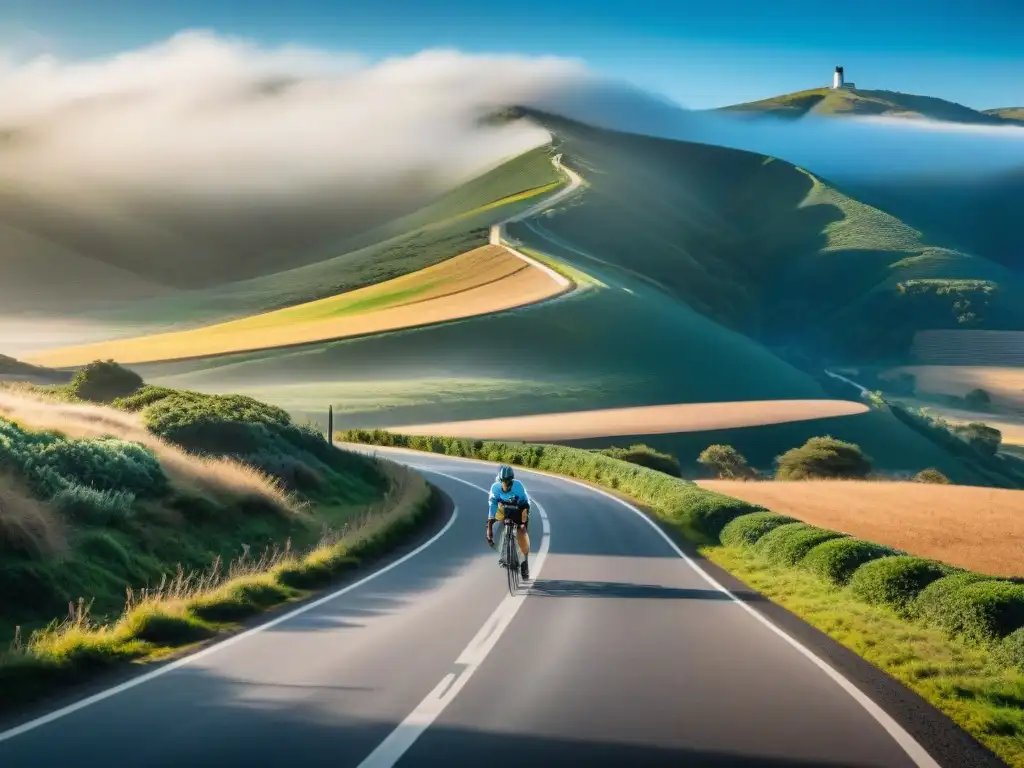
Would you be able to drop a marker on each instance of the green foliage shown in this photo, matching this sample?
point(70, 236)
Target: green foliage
point(646, 456)
point(984, 438)
point(1011, 650)
point(264, 436)
point(836, 560)
point(788, 544)
point(51, 463)
point(102, 381)
point(146, 395)
point(823, 457)
point(983, 610)
point(933, 603)
point(895, 581)
point(699, 512)
point(746, 530)
point(726, 462)
point(931, 475)
point(95, 507)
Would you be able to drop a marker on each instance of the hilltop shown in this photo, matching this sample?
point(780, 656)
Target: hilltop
point(862, 102)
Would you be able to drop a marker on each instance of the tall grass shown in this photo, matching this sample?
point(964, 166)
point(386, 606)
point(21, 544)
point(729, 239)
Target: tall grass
point(190, 606)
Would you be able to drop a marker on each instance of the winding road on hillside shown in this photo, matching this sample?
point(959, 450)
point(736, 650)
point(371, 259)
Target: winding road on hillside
point(621, 651)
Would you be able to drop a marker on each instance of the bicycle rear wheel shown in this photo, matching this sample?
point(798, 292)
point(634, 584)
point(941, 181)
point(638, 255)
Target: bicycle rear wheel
point(511, 560)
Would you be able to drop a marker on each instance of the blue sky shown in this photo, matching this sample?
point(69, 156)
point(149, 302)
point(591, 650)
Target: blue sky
point(702, 53)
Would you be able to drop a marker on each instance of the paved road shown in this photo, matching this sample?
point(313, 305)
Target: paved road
point(619, 653)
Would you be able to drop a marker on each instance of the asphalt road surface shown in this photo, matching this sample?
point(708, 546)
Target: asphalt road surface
point(618, 652)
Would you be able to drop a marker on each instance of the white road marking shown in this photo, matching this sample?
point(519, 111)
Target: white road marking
point(908, 743)
point(102, 695)
point(390, 751)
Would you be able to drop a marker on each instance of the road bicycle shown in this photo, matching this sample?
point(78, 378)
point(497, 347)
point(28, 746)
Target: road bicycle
point(509, 546)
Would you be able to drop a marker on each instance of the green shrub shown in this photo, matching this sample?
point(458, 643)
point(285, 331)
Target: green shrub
point(1011, 650)
point(823, 457)
point(94, 507)
point(837, 559)
point(895, 581)
point(984, 611)
point(788, 544)
point(931, 476)
point(746, 530)
point(646, 456)
point(726, 462)
point(147, 395)
point(980, 436)
point(105, 463)
point(934, 600)
point(101, 381)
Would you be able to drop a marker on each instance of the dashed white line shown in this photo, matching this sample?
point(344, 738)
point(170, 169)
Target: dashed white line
point(389, 751)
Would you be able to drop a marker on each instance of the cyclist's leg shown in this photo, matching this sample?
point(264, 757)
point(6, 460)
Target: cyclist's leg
point(501, 544)
point(524, 546)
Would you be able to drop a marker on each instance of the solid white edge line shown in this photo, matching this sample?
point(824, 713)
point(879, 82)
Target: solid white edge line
point(398, 742)
point(908, 743)
point(219, 646)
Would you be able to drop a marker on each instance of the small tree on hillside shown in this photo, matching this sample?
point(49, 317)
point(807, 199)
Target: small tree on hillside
point(726, 462)
point(931, 476)
point(823, 458)
point(984, 438)
point(101, 381)
point(978, 398)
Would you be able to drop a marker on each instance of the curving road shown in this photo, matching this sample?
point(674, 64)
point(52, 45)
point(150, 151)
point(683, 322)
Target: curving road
point(620, 652)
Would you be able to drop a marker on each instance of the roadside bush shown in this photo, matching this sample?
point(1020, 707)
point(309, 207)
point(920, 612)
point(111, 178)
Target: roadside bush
point(746, 530)
point(645, 456)
point(726, 462)
point(895, 581)
point(1011, 650)
point(984, 611)
point(101, 381)
point(788, 544)
point(823, 457)
point(931, 476)
point(837, 559)
point(934, 599)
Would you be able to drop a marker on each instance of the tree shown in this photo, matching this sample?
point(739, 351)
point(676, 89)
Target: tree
point(931, 476)
point(102, 381)
point(982, 437)
point(978, 398)
point(726, 462)
point(823, 458)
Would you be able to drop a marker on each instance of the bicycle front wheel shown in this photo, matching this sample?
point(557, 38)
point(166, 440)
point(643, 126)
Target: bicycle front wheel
point(512, 561)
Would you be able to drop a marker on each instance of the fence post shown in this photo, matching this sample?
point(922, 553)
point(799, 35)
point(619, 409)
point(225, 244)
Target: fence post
point(330, 424)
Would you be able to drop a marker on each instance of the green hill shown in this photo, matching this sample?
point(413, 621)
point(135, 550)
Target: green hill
point(705, 259)
point(851, 101)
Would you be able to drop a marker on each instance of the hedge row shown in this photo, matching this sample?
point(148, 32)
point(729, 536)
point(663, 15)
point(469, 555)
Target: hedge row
point(968, 605)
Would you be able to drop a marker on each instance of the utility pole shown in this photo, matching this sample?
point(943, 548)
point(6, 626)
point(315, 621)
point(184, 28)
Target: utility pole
point(330, 424)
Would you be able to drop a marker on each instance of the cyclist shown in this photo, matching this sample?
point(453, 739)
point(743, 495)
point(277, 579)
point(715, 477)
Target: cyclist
point(512, 494)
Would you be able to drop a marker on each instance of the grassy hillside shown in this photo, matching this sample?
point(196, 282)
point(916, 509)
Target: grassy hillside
point(766, 248)
point(859, 101)
point(456, 222)
point(94, 497)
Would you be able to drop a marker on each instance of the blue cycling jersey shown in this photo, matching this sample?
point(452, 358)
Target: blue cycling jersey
point(518, 490)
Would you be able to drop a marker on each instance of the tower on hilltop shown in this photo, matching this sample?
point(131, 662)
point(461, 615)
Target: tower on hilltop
point(837, 78)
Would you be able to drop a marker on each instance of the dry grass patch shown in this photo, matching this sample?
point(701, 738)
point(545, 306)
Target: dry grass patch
point(26, 524)
point(981, 529)
point(1004, 384)
point(484, 280)
point(641, 420)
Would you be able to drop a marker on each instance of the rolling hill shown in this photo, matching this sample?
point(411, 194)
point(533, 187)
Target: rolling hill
point(703, 260)
point(862, 102)
point(1015, 114)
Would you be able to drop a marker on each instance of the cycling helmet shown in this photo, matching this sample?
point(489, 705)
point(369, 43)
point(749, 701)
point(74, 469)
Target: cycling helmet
point(506, 473)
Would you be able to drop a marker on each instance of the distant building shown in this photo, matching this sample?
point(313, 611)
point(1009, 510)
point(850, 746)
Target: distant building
point(839, 82)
